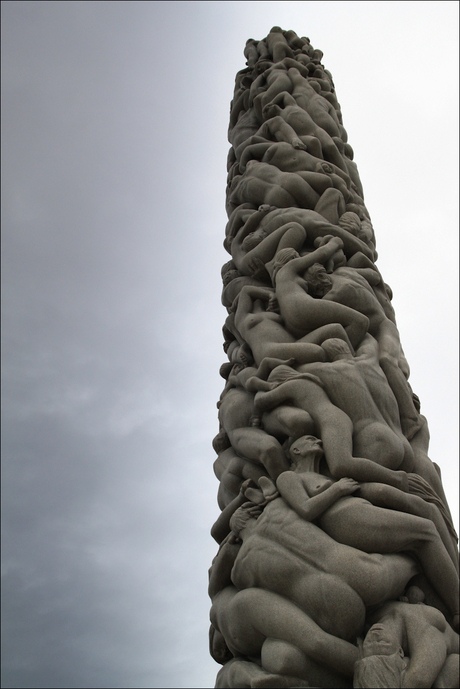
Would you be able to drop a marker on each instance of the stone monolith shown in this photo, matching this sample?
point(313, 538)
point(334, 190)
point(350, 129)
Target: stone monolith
point(337, 563)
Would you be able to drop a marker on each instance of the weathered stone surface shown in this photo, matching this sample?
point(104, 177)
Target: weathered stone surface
point(337, 562)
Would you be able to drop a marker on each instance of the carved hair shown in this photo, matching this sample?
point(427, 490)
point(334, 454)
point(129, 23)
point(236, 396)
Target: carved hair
point(251, 241)
point(351, 222)
point(316, 277)
point(229, 276)
point(226, 268)
point(282, 257)
point(334, 346)
point(221, 442)
point(239, 520)
point(380, 671)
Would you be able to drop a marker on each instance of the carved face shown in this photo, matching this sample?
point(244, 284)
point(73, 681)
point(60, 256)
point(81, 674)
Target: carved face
point(306, 445)
point(380, 641)
point(318, 281)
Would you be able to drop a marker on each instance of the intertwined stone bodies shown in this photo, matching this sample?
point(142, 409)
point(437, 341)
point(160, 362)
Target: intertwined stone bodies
point(337, 562)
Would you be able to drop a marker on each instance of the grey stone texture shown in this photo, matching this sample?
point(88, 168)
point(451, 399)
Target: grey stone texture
point(338, 562)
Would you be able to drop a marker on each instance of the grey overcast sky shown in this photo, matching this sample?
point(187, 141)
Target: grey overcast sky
point(114, 123)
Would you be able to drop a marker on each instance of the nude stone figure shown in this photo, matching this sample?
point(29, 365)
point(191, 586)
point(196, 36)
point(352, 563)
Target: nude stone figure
point(306, 391)
point(357, 522)
point(362, 375)
point(232, 470)
point(267, 219)
point(301, 312)
point(408, 645)
point(330, 582)
point(358, 386)
point(235, 412)
point(277, 44)
point(315, 226)
point(250, 623)
point(290, 159)
point(303, 125)
point(238, 672)
point(266, 184)
point(283, 420)
point(252, 250)
point(272, 79)
point(263, 330)
point(351, 287)
point(247, 619)
point(331, 510)
point(320, 109)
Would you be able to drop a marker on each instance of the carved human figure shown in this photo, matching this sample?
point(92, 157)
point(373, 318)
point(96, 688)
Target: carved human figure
point(303, 125)
point(254, 50)
point(272, 78)
point(357, 522)
point(330, 582)
point(306, 391)
point(284, 420)
point(246, 619)
point(267, 219)
point(303, 313)
point(289, 159)
point(276, 658)
point(239, 672)
point(277, 44)
point(277, 130)
point(252, 250)
point(246, 220)
point(320, 109)
point(263, 330)
point(266, 184)
point(315, 556)
point(315, 226)
point(408, 645)
point(235, 413)
point(232, 470)
point(357, 386)
point(351, 287)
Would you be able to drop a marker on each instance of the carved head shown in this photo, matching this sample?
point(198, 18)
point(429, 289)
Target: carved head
point(380, 671)
point(270, 110)
point(241, 517)
point(217, 646)
point(351, 222)
point(221, 442)
point(382, 662)
point(380, 641)
point(318, 281)
point(281, 258)
point(252, 240)
point(304, 447)
point(262, 66)
point(336, 348)
point(229, 272)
